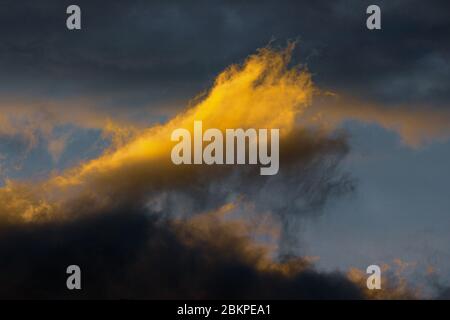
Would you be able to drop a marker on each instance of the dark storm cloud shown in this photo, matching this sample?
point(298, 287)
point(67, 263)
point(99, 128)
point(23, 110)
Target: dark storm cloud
point(127, 254)
point(137, 52)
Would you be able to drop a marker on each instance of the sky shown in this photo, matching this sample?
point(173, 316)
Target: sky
point(363, 178)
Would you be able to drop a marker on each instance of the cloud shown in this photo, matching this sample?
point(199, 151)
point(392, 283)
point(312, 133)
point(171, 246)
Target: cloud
point(415, 125)
point(127, 65)
point(228, 230)
point(395, 284)
point(144, 55)
point(128, 254)
point(167, 239)
point(241, 97)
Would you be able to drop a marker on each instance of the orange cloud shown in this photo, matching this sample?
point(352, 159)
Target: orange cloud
point(414, 125)
point(262, 93)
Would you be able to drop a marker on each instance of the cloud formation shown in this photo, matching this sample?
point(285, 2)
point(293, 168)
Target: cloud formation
point(415, 125)
point(133, 216)
point(127, 254)
point(140, 58)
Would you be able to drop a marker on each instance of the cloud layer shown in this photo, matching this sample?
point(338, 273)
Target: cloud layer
point(133, 216)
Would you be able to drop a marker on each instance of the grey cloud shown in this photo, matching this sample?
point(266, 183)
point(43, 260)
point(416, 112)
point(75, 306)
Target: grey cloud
point(139, 52)
point(126, 254)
